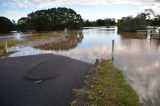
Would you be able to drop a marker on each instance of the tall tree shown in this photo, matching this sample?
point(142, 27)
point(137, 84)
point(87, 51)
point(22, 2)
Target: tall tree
point(5, 25)
point(156, 21)
point(52, 19)
point(23, 24)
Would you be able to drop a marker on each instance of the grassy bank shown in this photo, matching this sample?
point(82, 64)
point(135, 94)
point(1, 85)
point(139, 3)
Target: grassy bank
point(43, 35)
point(10, 43)
point(106, 86)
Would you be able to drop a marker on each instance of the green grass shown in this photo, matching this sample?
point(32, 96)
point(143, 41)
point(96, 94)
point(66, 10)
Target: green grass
point(10, 43)
point(106, 87)
point(4, 54)
point(38, 82)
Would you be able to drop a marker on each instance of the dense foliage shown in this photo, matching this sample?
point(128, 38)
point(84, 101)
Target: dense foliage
point(5, 25)
point(139, 22)
point(132, 24)
point(156, 21)
point(61, 18)
point(100, 22)
point(51, 19)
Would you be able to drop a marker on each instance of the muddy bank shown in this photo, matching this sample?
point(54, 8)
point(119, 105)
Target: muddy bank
point(39, 42)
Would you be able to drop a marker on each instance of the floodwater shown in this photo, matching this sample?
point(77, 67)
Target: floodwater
point(138, 57)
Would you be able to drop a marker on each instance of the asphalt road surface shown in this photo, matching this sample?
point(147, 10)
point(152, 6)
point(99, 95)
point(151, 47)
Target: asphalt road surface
point(40, 80)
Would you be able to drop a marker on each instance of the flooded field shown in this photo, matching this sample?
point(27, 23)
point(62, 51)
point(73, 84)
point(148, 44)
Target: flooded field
point(137, 56)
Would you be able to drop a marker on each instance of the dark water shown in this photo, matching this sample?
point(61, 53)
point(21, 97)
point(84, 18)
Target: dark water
point(138, 57)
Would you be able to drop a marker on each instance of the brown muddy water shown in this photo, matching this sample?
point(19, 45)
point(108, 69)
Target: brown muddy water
point(138, 57)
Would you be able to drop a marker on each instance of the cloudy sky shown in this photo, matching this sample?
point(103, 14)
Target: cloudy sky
point(89, 9)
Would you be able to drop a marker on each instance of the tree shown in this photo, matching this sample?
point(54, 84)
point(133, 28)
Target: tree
point(156, 21)
point(109, 22)
point(141, 19)
point(5, 25)
point(132, 24)
point(88, 23)
point(51, 19)
point(14, 25)
point(100, 22)
point(150, 13)
point(23, 24)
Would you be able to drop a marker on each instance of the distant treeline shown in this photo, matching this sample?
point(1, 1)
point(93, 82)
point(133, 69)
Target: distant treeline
point(100, 22)
point(60, 18)
point(146, 18)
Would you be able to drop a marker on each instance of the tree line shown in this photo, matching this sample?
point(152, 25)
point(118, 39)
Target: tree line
point(44, 20)
point(61, 17)
point(139, 22)
point(51, 19)
point(100, 22)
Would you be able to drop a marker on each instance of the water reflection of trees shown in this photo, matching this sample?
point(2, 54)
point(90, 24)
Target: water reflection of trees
point(157, 42)
point(129, 35)
point(73, 38)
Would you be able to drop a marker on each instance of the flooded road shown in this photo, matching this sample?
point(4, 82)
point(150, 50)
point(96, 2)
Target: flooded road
point(139, 58)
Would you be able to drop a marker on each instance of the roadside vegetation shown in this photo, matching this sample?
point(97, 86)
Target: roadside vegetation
point(106, 86)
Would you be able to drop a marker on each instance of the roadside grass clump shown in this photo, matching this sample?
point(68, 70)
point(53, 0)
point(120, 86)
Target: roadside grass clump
point(5, 54)
point(10, 43)
point(38, 82)
point(106, 86)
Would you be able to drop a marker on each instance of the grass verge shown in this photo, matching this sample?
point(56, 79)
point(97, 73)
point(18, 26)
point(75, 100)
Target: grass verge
point(5, 54)
point(10, 43)
point(106, 86)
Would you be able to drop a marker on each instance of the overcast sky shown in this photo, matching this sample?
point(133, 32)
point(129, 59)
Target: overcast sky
point(89, 9)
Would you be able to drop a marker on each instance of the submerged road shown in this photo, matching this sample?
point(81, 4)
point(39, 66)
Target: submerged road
point(40, 80)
